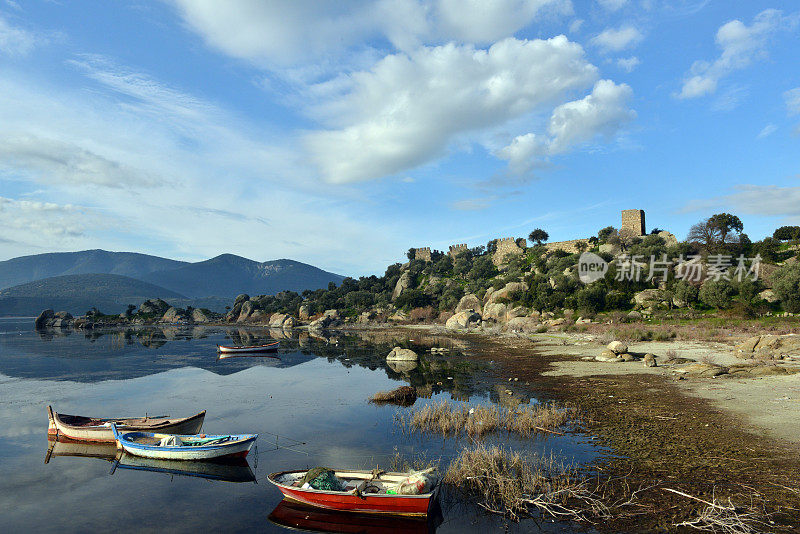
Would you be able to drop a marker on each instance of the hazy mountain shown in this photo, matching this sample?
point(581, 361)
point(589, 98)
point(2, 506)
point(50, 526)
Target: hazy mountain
point(76, 293)
point(228, 275)
point(39, 266)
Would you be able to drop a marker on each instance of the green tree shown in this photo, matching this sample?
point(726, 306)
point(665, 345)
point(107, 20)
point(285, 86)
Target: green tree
point(686, 292)
point(786, 285)
point(787, 233)
point(716, 232)
point(538, 236)
point(716, 293)
point(411, 254)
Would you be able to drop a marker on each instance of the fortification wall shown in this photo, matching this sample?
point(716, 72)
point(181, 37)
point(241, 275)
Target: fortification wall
point(572, 246)
point(423, 253)
point(455, 250)
point(505, 246)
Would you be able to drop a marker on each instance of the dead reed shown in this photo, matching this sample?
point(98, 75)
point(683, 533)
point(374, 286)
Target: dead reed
point(447, 418)
point(729, 519)
point(508, 483)
point(402, 396)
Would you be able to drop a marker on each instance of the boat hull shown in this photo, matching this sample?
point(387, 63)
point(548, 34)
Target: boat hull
point(384, 504)
point(59, 429)
point(270, 347)
point(293, 515)
point(237, 449)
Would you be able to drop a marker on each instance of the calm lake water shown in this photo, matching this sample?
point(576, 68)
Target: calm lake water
point(308, 405)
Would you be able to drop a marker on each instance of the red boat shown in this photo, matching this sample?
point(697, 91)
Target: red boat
point(298, 516)
point(365, 493)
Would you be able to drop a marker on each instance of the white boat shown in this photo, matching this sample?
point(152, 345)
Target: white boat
point(174, 447)
point(81, 428)
point(269, 347)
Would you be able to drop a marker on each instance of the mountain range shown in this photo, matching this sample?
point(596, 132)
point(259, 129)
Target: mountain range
point(76, 281)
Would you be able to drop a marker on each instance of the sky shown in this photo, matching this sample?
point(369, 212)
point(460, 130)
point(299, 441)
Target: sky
point(343, 133)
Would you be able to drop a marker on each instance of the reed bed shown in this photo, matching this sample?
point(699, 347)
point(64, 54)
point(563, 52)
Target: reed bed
point(447, 418)
point(508, 483)
point(402, 396)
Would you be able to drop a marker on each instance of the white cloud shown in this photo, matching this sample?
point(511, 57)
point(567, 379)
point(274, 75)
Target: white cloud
point(602, 113)
point(740, 44)
point(768, 130)
point(15, 41)
point(283, 33)
point(616, 40)
point(409, 108)
point(39, 223)
point(766, 200)
point(612, 5)
point(792, 99)
point(628, 63)
point(575, 25)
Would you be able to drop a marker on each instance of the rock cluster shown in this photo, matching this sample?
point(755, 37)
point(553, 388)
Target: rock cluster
point(772, 347)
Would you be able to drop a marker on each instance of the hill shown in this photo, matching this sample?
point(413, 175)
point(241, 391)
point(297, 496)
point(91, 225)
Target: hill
point(25, 269)
point(228, 275)
point(78, 292)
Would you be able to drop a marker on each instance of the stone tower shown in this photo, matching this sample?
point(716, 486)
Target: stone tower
point(632, 223)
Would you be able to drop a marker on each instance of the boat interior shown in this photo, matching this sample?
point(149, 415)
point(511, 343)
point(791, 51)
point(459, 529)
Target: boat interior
point(361, 482)
point(172, 440)
point(81, 421)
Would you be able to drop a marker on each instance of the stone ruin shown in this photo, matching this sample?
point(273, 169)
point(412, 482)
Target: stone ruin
point(632, 223)
point(455, 250)
point(423, 254)
point(505, 246)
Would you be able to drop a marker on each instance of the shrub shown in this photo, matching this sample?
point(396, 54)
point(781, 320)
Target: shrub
point(591, 298)
point(786, 285)
point(686, 292)
point(716, 293)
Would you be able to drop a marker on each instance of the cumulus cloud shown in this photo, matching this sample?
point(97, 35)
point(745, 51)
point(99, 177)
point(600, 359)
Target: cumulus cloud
point(407, 109)
point(617, 39)
point(602, 113)
point(40, 222)
point(15, 41)
point(741, 45)
point(612, 5)
point(282, 33)
point(628, 63)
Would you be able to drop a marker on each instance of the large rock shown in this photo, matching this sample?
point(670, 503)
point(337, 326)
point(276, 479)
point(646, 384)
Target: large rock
point(281, 320)
point(608, 356)
point(469, 302)
point(199, 316)
point(768, 295)
point(401, 354)
point(329, 318)
point(465, 319)
point(705, 370)
point(403, 283)
point(652, 298)
point(609, 248)
point(617, 347)
point(669, 239)
point(173, 315)
point(241, 298)
point(650, 360)
point(44, 318)
point(770, 346)
point(305, 312)
point(245, 311)
point(154, 307)
point(494, 311)
point(526, 325)
point(511, 287)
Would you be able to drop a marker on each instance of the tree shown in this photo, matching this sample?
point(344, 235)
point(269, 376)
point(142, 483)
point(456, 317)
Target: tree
point(716, 293)
point(717, 231)
point(411, 254)
point(786, 285)
point(787, 233)
point(538, 236)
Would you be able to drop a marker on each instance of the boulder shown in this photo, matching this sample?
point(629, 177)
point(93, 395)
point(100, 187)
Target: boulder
point(508, 289)
point(399, 316)
point(173, 315)
point(609, 248)
point(465, 319)
point(305, 312)
point(516, 311)
point(494, 311)
point(247, 308)
point(199, 316)
point(277, 320)
point(608, 356)
point(403, 283)
point(555, 322)
point(617, 347)
point(705, 370)
point(650, 360)
point(652, 298)
point(768, 295)
point(469, 302)
point(154, 306)
point(627, 357)
point(488, 295)
point(241, 298)
point(634, 315)
point(401, 354)
point(770, 346)
point(583, 320)
point(669, 239)
point(44, 318)
point(525, 325)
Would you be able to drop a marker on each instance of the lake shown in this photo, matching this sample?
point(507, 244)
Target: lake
point(308, 405)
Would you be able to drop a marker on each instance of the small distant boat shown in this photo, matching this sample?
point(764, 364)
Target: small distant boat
point(235, 470)
point(269, 347)
point(366, 493)
point(81, 428)
point(174, 447)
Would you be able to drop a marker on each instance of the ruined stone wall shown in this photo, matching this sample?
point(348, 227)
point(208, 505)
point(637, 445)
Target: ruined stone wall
point(632, 223)
point(423, 253)
point(455, 250)
point(505, 246)
point(572, 246)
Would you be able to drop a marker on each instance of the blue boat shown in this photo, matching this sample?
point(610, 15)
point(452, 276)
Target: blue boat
point(193, 447)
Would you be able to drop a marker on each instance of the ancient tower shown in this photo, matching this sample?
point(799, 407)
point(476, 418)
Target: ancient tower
point(423, 254)
point(632, 223)
point(455, 250)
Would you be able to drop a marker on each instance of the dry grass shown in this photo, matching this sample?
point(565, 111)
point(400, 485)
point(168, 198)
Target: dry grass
point(513, 485)
point(404, 464)
point(402, 396)
point(451, 419)
point(729, 519)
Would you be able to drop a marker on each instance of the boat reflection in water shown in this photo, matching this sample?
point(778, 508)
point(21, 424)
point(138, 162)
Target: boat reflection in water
point(298, 516)
point(233, 470)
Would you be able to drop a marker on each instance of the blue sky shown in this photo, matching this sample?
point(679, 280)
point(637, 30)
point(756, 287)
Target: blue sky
point(343, 133)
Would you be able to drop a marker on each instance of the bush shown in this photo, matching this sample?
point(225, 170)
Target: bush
point(686, 292)
point(716, 294)
point(591, 299)
point(786, 285)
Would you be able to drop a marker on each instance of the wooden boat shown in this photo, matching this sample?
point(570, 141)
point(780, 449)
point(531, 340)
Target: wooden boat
point(235, 470)
point(80, 428)
point(174, 447)
point(269, 347)
point(297, 516)
point(365, 494)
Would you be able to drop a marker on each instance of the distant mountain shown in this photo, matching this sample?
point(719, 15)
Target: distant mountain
point(39, 266)
point(228, 275)
point(77, 293)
